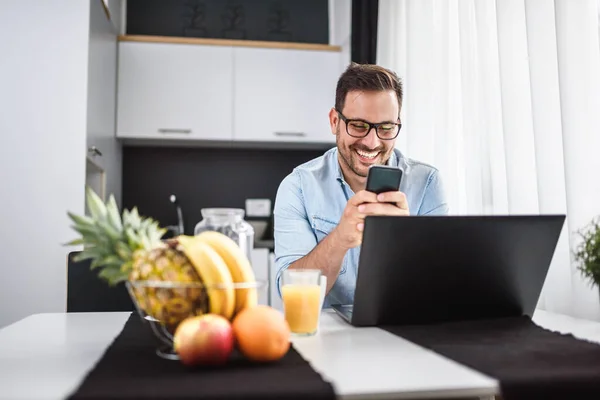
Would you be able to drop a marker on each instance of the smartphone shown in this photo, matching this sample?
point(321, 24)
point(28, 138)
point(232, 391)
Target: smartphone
point(383, 178)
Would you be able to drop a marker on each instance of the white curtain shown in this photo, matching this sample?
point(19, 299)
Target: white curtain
point(504, 98)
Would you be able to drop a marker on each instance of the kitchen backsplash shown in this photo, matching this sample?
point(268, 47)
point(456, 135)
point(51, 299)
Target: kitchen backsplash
point(203, 177)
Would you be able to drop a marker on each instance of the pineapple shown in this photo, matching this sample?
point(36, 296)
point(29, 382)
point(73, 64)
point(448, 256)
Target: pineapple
point(130, 248)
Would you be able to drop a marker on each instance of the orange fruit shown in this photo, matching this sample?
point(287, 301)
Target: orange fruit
point(262, 334)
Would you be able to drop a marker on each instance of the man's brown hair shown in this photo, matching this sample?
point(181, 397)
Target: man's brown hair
point(367, 77)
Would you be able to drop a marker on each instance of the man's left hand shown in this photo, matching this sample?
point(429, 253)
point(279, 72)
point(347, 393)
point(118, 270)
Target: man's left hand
point(389, 203)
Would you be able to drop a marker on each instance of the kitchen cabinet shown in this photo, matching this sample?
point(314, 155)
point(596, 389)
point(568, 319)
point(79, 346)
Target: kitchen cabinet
point(219, 92)
point(284, 95)
point(175, 91)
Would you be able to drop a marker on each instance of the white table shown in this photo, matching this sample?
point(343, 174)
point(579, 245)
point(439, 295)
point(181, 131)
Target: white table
point(45, 356)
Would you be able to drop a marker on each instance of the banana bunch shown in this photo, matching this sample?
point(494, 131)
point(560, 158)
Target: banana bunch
point(220, 263)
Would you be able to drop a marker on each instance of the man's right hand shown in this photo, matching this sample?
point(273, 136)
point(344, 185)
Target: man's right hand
point(348, 233)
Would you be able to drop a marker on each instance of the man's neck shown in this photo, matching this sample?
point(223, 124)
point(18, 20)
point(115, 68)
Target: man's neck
point(357, 184)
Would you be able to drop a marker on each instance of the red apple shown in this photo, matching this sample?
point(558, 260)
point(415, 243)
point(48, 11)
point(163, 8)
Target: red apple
point(204, 340)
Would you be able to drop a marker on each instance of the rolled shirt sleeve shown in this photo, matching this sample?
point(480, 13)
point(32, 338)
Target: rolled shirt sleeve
point(434, 197)
point(293, 234)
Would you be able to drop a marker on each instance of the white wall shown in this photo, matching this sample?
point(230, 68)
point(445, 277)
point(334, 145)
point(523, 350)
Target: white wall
point(43, 81)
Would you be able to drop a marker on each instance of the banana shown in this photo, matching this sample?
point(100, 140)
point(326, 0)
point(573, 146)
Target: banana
point(238, 264)
point(214, 271)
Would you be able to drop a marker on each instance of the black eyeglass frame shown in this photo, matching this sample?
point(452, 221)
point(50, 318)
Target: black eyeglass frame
point(371, 126)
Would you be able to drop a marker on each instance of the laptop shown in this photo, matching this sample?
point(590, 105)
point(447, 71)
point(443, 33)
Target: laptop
point(433, 269)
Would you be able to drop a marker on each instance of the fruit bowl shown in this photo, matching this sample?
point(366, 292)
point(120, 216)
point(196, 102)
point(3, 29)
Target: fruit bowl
point(165, 304)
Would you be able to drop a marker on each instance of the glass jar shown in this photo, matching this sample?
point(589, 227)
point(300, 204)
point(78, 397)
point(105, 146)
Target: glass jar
point(230, 222)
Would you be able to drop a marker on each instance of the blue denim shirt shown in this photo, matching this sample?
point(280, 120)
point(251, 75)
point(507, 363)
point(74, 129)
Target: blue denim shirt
point(310, 202)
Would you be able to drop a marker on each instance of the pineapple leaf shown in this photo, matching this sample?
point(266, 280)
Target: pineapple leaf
point(123, 251)
point(156, 233)
point(126, 267)
point(95, 205)
point(113, 214)
point(107, 261)
point(132, 237)
point(111, 232)
point(75, 242)
point(113, 276)
point(81, 220)
point(81, 256)
point(85, 230)
point(86, 255)
point(112, 260)
point(134, 218)
point(96, 262)
point(146, 242)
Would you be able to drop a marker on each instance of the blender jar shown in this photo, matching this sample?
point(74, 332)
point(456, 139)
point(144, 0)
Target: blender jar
point(230, 222)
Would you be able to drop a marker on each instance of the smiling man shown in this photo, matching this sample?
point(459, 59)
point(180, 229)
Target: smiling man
point(321, 206)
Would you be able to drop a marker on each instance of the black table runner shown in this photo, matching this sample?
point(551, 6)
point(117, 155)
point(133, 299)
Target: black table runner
point(130, 369)
point(529, 362)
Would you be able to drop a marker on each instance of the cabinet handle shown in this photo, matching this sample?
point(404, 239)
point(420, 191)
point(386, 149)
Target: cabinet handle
point(94, 150)
point(164, 130)
point(298, 134)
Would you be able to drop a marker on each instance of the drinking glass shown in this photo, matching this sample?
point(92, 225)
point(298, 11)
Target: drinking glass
point(301, 293)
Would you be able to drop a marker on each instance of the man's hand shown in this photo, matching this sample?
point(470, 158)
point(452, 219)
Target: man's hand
point(348, 233)
point(389, 203)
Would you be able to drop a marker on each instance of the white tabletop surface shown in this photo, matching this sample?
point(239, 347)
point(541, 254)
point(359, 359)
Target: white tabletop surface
point(375, 364)
point(45, 356)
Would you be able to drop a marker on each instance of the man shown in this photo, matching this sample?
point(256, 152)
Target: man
point(320, 207)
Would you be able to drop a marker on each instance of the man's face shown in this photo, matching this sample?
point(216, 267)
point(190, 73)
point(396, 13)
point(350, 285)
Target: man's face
point(358, 154)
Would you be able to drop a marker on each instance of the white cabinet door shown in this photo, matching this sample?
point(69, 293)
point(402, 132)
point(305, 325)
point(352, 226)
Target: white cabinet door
point(284, 94)
point(175, 91)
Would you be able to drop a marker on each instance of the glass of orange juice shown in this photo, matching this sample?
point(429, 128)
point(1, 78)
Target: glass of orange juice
point(301, 295)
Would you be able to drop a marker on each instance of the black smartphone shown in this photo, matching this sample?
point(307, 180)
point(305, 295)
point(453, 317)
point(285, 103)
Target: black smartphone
point(383, 178)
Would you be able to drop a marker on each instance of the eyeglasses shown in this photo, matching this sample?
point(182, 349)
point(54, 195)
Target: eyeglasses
point(359, 128)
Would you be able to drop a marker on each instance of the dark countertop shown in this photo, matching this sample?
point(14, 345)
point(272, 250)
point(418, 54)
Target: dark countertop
point(264, 244)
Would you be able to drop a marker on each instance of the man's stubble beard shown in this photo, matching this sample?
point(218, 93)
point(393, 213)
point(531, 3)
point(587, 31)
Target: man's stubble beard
point(347, 154)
